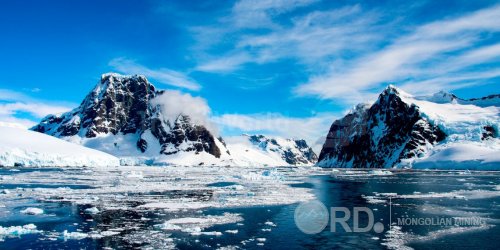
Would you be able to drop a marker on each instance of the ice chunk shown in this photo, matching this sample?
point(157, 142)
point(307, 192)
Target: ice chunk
point(74, 235)
point(32, 211)
point(92, 210)
point(109, 233)
point(378, 172)
point(213, 233)
point(270, 223)
point(15, 231)
point(167, 226)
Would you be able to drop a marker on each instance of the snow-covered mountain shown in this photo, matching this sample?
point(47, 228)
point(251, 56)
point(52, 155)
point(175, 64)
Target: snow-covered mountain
point(126, 116)
point(401, 130)
point(445, 97)
point(123, 117)
point(251, 150)
point(20, 147)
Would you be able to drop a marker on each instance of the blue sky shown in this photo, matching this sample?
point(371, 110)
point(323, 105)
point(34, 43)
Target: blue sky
point(279, 67)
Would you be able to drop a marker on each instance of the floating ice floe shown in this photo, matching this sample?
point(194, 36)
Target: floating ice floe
point(16, 231)
point(167, 226)
point(32, 211)
point(213, 233)
point(174, 206)
point(184, 193)
point(195, 225)
point(74, 235)
point(92, 210)
point(270, 223)
point(457, 194)
point(379, 172)
point(397, 239)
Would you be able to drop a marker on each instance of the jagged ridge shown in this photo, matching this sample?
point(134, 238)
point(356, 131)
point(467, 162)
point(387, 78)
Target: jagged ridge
point(120, 106)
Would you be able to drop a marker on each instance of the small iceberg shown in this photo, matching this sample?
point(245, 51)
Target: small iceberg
point(74, 235)
point(91, 210)
point(167, 226)
point(466, 172)
point(16, 231)
point(32, 211)
point(379, 172)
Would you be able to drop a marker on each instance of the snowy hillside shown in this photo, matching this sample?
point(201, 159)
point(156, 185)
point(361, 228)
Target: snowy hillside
point(126, 116)
point(401, 130)
point(27, 148)
point(252, 150)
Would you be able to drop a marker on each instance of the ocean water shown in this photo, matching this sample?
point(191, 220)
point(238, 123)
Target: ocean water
point(422, 195)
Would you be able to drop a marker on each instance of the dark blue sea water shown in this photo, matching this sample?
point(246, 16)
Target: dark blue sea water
point(457, 195)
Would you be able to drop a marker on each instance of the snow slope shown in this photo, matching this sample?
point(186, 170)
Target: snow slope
point(462, 155)
point(28, 148)
point(463, 122)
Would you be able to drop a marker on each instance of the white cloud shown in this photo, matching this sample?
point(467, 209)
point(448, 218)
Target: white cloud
point(433, 55)
point(317, 34)
point(224, 64)
point(37, 109)
point(162, 75)
point(259, 13)
point(13, 103)
point(350, 51)
point(173, 103)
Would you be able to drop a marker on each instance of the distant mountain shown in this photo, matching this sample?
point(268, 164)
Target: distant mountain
point(119, 117)
point(271, 151)
point(445, 97)
point(400, 130)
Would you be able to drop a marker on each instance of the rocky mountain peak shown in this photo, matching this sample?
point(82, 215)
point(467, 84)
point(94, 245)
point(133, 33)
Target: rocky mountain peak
point(391, 89)
point(118, 113)
point(380, 135)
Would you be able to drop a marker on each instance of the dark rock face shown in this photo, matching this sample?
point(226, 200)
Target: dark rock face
point(182, 131)
point(378, 136)
point(117, 104)
point(120, 105)
point(489, 132)
point(295, 152)
point(490, 97)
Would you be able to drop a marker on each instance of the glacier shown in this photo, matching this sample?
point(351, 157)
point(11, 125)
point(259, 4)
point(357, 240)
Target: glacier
point(20, 147)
